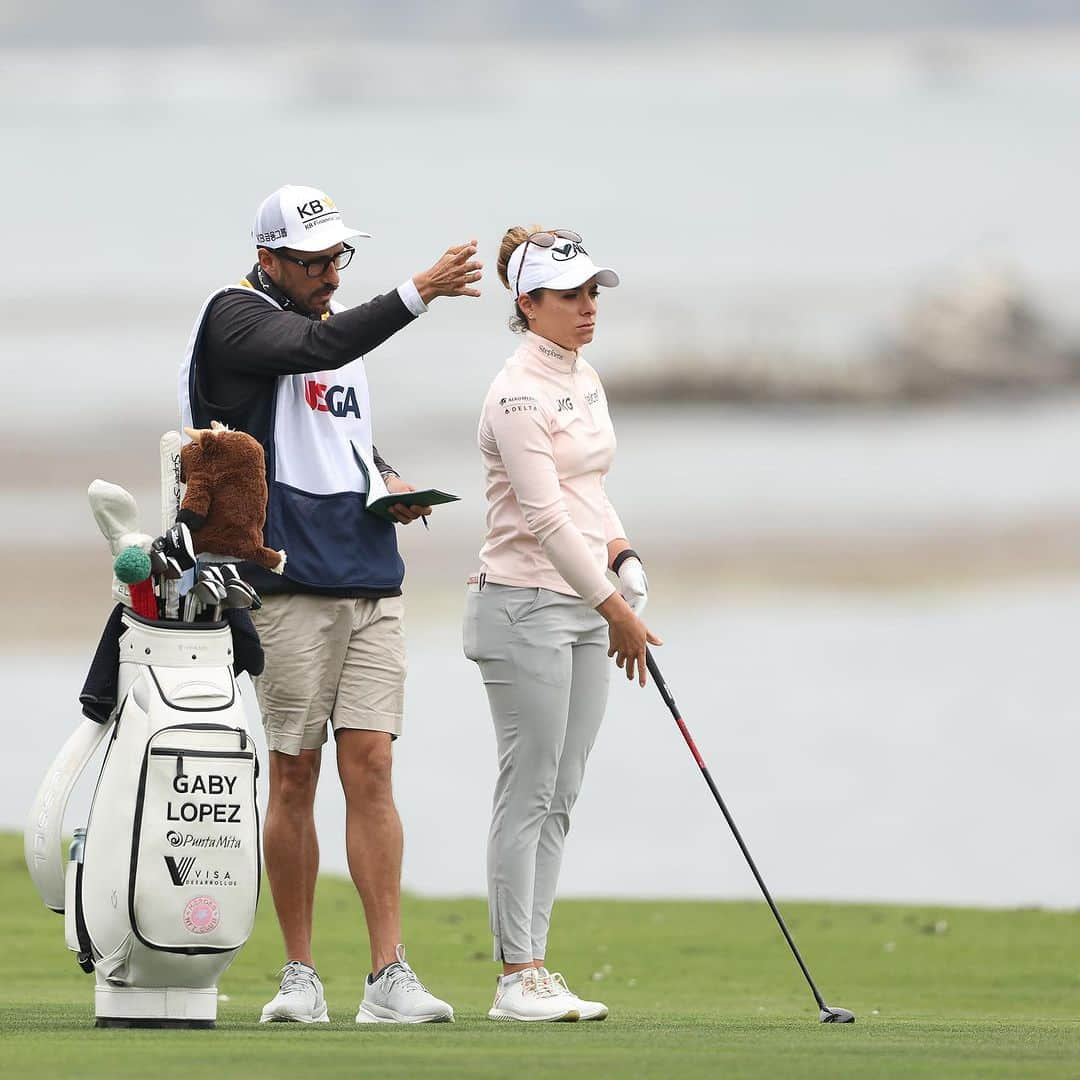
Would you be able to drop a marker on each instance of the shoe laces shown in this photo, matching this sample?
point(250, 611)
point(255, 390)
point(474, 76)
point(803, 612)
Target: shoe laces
point(555, 983)
point(296, 978)
point(532, 982)
point(401, 976)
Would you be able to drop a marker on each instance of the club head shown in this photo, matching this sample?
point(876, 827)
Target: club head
point(158, 561)
point(205, 592)
point(832, 1014)
point(229, 572)
point(213, 573)
point(179, 544)
point(238, 594)
point(173, 569)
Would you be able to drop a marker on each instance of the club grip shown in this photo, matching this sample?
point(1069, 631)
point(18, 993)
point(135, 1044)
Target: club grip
point(661, 685)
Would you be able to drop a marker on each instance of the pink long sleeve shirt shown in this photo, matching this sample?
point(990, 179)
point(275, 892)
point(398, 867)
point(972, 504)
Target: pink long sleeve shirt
point(547, 443)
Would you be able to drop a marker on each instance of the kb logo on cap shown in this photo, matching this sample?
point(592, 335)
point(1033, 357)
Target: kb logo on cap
point(315, 207)
point(566, 252)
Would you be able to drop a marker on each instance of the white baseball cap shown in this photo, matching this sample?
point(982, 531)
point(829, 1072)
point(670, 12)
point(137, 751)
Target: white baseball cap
point(564, 264)
point(301, 218)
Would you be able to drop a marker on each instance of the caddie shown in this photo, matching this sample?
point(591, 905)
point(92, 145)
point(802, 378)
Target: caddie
point(275, 356)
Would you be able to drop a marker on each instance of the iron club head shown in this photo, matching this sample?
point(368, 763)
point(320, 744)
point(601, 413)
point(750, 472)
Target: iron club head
point(833, 1015)
point(206, 592)
point(239, 594)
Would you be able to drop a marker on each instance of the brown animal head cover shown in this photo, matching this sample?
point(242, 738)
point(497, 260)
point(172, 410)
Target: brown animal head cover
point(225, 501)
point(226, 448)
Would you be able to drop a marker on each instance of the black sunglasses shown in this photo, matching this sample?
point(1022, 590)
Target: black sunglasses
point(544, 239)
point(315, 268)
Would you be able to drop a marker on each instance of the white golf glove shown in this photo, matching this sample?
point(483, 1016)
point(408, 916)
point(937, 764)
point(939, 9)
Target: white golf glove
point(634, 585)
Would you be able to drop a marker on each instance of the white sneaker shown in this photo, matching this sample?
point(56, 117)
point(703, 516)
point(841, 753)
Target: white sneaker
point(587, 1010)
point(399, 997)
point(530, 996)
point(300, 999)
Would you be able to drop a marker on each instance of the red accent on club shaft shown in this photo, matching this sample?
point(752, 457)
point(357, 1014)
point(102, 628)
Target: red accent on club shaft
point(690, 742)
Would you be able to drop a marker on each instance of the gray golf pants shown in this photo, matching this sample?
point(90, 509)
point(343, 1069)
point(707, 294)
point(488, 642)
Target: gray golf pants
point(543, 658)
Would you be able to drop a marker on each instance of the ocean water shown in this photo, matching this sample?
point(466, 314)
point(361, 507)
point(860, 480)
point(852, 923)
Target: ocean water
point(915, 747)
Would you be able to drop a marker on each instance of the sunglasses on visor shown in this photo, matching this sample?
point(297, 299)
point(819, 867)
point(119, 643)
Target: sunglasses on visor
point(544, 239)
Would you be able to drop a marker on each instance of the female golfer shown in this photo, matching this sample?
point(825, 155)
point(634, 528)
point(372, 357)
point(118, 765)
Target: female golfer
point(542, 617)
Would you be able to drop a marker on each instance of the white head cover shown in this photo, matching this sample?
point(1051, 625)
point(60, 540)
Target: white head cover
point(564, 265)
point(301, 218)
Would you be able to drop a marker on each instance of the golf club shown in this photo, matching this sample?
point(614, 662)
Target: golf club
point(179, 545)
point(208, 595)
point(239, 594)
point(232, 576)
point(159, 563)
point(829, 1014)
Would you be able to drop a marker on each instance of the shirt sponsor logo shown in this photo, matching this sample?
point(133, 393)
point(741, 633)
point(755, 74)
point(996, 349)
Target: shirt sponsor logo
point(338, 401)
point(592, 397)
point(564, 404)
point(520, 403)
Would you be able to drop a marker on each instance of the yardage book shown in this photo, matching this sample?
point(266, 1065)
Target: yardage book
point(378, 500)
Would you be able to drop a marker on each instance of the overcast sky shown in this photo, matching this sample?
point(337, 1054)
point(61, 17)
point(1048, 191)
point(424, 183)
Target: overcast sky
point(119, 22)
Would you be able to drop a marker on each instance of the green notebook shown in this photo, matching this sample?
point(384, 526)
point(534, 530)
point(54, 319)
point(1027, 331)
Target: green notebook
point(378, 500)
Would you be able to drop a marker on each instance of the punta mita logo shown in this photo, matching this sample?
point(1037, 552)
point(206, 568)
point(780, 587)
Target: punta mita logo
point(336, 400)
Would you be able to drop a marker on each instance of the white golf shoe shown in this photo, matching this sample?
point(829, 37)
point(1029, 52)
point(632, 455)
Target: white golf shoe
point(587, 1010)
point(300, 999)
point(397, 996)
point(527, 995)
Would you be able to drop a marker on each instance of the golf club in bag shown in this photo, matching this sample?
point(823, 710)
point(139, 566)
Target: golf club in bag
point(829, 1014)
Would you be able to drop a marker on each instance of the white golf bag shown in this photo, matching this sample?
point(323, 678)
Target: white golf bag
point(160, 893)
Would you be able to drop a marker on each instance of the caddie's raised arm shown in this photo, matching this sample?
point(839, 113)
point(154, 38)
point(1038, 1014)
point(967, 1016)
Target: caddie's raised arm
point(302, 246)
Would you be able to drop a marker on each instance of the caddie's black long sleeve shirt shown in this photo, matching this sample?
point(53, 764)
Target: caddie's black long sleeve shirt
point(246, 345)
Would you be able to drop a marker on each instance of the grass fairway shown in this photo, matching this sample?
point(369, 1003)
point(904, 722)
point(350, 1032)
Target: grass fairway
point(696, 989)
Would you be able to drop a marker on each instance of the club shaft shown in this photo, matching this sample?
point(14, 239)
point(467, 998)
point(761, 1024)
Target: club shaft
point(669, 700)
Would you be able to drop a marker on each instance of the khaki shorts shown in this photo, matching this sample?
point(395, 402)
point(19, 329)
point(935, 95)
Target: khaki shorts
point(329, 659)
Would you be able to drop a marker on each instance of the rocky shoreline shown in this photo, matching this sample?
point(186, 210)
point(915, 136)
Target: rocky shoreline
point(983, 337)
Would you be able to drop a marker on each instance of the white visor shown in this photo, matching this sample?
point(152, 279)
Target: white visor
point(301, 218)
point(564, 265)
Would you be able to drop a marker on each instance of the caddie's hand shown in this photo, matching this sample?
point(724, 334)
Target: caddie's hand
point(402, 514)
point(455, 274)
point(627, 637)
point(634, 585)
